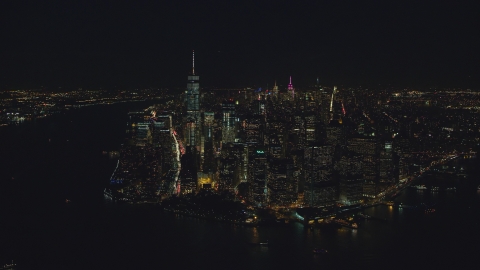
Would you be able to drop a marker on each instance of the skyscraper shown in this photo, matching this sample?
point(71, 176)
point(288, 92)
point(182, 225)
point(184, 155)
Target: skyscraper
point(228, 122)
point(333, 97)
point(291, 90)
point(320, 189)
point(207, 153)
point(257, 174)
point(275, 89)
point(193, 108)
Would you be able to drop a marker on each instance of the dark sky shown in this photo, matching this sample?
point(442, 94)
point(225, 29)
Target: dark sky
point(237, 43)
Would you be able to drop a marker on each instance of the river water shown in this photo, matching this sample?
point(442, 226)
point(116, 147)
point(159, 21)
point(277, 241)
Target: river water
point(45, 162)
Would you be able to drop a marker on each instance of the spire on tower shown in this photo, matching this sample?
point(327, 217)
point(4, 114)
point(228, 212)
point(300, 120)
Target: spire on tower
point(290, 88)
point(193, 62)
point(275, 88)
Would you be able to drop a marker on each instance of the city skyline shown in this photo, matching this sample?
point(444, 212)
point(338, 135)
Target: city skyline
point(97, 44)
point(312, 173)
point(374, 172)
point(288, 149)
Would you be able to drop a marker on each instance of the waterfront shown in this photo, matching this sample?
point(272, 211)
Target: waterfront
point(58, 158)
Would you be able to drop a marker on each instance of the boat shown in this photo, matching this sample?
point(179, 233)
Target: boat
point(421, 187)
point(263, 243)
point(320, 251)
point(9, 266)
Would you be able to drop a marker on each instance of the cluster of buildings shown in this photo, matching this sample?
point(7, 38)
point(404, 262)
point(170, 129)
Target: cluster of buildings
point(286, 147)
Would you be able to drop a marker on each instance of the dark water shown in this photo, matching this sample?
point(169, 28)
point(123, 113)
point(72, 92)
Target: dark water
point(47, 161)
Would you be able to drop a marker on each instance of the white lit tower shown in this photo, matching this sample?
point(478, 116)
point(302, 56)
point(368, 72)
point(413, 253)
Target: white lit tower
point(333, 96)
point(334, 92)
point(193, 108)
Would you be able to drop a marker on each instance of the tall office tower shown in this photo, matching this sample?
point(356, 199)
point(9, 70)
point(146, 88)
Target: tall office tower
point(320, 188)
point(257, 176)
point(252, 127)
point(190, 133)
point(208, 152)
point(401, 147)
point(366, 147)
point(298, 132)
point(277, 136)
point(258, 107)
point(233, 170)
point(295, 171)
point(228, 167)
point(275, 89)
point(228, 122)
point(208, 119)
point(386, 165)
point(335, 132)
point(277, 182)
point(274, 146)
point(324, 99)
point(193, 108)
point(350, 173)
point(188, 173)
point(291, 90)
point(310, 127)
point(164, 142)
point(310, 101)
point(143, 133)
point(332, 99)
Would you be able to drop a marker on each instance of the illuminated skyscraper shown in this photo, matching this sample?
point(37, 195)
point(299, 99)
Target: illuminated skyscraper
point(386, 163)
point(334, 92)
point(257, 174)
point(291, 90)
point(310, 127)
point(228, 122)
point(324, 98)
point(366, 147)
point(320, 189)
point(252, 127)
point(350, 175)
point(193, 108)
point(207, 153)
point(275, 89)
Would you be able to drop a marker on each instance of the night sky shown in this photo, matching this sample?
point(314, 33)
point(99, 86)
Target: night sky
point(128, 44)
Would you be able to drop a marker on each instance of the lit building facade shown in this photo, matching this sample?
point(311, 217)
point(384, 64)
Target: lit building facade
point(257, 176)
point(320, 188)
point(228, 122)
point(193, 109)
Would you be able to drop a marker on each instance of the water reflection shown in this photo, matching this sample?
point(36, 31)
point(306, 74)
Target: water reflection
point(255, 237)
